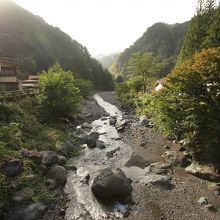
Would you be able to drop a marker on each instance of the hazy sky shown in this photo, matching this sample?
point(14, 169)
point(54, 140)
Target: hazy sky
point(105, 26)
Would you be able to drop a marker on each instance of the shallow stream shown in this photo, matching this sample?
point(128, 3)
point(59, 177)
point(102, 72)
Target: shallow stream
point(83, 205)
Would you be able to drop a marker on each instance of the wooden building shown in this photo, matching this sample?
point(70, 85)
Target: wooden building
point(8, 75)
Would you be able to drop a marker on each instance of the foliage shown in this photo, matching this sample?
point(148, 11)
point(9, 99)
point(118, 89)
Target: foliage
point(37, 45)
point(4, 188)
point(11, 135)
point(190, 105)
point(85, 86)
point(203, 31)
point(143, 64)
point(60, 96)
point(127, 90)
point(162, 40)
point(10, 113)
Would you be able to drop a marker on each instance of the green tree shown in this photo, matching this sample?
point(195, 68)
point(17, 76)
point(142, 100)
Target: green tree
point(143, 64)
point(85, 86)
point(60, 96)
point(190, 105)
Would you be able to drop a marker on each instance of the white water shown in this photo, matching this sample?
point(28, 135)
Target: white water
point(83, 205)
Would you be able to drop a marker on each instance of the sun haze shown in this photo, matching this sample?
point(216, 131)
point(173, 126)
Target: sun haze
point(105, 26)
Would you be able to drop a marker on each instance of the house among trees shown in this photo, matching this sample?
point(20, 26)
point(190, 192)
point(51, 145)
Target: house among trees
point(160, 84)
point(8, 75)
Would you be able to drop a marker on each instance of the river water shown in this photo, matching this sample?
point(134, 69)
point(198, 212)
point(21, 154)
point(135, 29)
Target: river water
point(83, 205)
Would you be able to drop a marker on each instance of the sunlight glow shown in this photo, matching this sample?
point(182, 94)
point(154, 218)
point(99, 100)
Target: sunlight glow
point(105, 26)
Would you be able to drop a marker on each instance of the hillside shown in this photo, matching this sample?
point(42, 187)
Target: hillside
point(37, 45)
point(163, 40)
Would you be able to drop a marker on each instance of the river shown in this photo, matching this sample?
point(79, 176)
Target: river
point(83, 205)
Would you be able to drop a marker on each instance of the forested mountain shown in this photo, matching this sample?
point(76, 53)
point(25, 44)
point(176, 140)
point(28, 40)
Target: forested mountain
point(107, 60)
point(203, 31)
point(37, 45)
point(162, 40)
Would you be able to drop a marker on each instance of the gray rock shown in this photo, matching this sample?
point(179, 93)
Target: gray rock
point(111, 153)
point(70, 167)
point(23, 194)
point(30, 212)
point(59, 175)
point(204, 171)
point(136, 160)
point(103, 119)
point(92, 138)
point(82, 139)
point(143, 120)
point(86, 126)
point(111, 183)
point(32, 154)
point(112, 121)
point(49, 158)
point(13, 167)
point(203, 201)
point(100, 144)
point(105, 114)
point(154, 179)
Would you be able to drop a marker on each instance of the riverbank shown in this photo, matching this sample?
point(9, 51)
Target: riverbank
point(153, 202)
point(177, 200)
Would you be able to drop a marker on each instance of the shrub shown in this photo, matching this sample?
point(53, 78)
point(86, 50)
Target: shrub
point(85, 86)
point(60, 96)
point(127, 90)
point(11, 113)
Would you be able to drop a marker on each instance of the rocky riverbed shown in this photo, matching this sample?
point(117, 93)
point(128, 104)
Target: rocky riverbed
point(124, 155)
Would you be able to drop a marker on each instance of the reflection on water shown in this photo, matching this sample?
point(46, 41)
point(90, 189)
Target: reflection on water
point(83, 205)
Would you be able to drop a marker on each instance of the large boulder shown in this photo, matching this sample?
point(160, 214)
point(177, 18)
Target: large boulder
point(204, 171)
point(136, 160)
point(111, 183)
point(13, 167)
point(59, 175)
point(49, 158)
point(33, 211)
point(23, 194)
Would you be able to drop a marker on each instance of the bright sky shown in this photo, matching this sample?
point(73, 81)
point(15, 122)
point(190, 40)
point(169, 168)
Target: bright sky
point(106, 26)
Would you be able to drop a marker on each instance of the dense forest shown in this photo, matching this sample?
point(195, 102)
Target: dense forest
point(37, 45)
point(164, 41)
